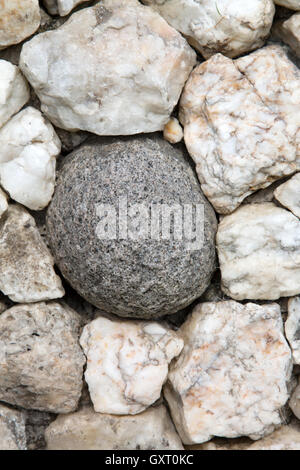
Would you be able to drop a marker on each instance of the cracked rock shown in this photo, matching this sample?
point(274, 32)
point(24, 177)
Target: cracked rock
point(127, 363)
point(28, 150)
point(292, 327)
point(41, 362)
point(231, 377)
point(14, 91)
point(26, 265)
point(87, 430)
point(288, 194)
point(219, 26)
point(19, 19)
point(82, 86)
point(12, 429)
point(259, 253)
point(241, 124)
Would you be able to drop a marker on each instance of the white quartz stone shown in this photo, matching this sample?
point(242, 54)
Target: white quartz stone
point(259, 252)
point(28, 147)
point(289, 32)
point(14, 91)
point(3, 202)
point(173, 132)
point(219, 26)
point(19, 19)
point(61, 7)
point(127, 363)
point(288, 194)
point(292, 327)
point(112, 69)
point(231, 377)
point(292, 4)
point(26, 265)
point(242, 124)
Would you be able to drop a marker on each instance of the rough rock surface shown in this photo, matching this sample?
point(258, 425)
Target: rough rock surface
point(61, 7)
point(41, 362)
point(231, 377)
point(14, 91)
point(28, 150)
point(26, 265)
point(19, 19)
point(292, 327)
point(3, 202)
point(87, 430)
point(224, 26)
point(127, 363)
point(241, 124)
point(81, 84)
point(259, 253)
point(132, 271)
point(292, 4)
point(294, 402)
point(12, 429)
point(288, 194)
point(289, 32)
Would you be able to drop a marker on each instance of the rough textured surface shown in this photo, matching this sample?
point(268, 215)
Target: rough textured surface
point(87, 430)
point(289, 32)
point(26, 265)
point(259, 253)
point(36, 424)
point(288, 194)
point(292, 327)
point(12, 429)
point(41, 362)
point(241, 124)
point(292, 4)
point(19, 19)
point(14, 91)
point(224, 26)
point(61, 7)
point(127, 363)
point(81, 84)
point(28, 150)
point(231, 377)
point(129, 272)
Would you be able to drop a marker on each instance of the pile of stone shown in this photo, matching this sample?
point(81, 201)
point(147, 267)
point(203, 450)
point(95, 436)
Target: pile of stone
point(150, 293)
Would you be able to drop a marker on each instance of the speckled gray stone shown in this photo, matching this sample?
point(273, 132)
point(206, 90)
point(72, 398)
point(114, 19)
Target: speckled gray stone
point(131, 278)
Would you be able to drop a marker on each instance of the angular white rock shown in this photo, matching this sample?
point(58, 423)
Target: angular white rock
point(294, 402)
point(289, 32)
point(3, 203)
point(291, 4)
point(259, 252)
point(26, 265)
point(87, 430)
point(292, 327)
point(41, 362)
point(14, 91)
point(231, 377)
point(61, 7)
point(173, 132)
point(28, 147)
point(288, 194)
point(112, 69)
point(19, 19)
point(127, 363)
point(219, 26)
point(12, 429)
point(242, 124)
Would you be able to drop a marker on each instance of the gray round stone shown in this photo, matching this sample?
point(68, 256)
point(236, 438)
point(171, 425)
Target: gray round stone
point(129, 272)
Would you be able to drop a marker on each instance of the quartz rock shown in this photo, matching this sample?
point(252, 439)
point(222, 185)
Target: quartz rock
point(289, 32)
point(19, 19)
point(14, 91)
point(294, 402)
point(221, 26)
point(12, 429)
point(118, 261)
point(3, 203)
point(87, 430)
point(28, 147)
point(173, 132)
point(26, 265)
point(61, 7)
point(259, 253)
point(231, 377)
point(291, 4)
point(292, 327)
point(127, 363)
point(288, 194)
point(241, 124)
point(80, 83)
point(41, 362)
